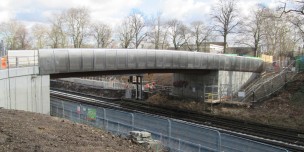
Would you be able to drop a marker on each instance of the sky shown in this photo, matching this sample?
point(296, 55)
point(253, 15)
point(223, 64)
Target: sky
point(113, 11)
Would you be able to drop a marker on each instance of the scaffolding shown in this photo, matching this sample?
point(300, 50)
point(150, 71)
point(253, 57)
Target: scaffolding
point(211, 93)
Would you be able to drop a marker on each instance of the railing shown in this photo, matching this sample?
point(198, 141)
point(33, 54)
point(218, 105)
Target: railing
point(269, 85)
point(19, 59)
point(174, 134)
point(22, 61)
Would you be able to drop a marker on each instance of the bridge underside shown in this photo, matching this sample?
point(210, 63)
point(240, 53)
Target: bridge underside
point(122, 72)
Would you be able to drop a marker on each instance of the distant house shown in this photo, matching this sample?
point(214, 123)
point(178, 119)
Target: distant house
point(209, 47)
point(217, 48)
point(213, 48)
point(241, 51)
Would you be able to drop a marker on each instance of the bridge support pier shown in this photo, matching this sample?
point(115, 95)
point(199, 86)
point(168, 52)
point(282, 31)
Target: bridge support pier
point(139, 87)
point(138, 81)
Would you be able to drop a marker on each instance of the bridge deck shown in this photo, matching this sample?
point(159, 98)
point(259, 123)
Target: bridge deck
point(55, 61)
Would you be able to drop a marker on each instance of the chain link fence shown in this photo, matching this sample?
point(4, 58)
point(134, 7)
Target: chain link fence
point(102, 83)
point(174, 134)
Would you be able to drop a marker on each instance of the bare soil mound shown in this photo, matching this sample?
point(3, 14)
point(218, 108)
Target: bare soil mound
point(25, 131)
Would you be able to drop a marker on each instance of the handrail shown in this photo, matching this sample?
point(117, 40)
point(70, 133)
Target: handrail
point(251, 92)
point(18, 61)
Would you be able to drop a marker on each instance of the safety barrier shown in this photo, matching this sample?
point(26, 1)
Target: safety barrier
point(174, 134)
point(101, 84)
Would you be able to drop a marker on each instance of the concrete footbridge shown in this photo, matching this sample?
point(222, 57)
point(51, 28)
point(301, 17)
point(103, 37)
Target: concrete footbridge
point(72, 62)
point(25, 78)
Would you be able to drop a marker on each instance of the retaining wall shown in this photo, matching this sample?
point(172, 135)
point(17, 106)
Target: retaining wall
point(22, 89)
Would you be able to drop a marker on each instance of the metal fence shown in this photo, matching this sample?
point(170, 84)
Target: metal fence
point(174, 134)
point(101, 84)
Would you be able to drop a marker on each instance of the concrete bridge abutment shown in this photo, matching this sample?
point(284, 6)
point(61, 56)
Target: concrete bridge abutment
point(212, 85)
point(23, 89)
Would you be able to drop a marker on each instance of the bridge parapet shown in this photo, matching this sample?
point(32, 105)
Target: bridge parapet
point(54, 61)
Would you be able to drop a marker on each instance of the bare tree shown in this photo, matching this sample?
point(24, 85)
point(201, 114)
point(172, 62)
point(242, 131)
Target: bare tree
point(154, 33)
point(201, 33)
point(15, 34)
point(158, 32)
point(23, 37)
point(125, 33)
point(185, 37)
point(164, 42)
point(138, 25)
point(9, 30)
point(40, 33)
point(298, 22)
point(252, 31)
point(56, 34)
point(77, 22)
point(174, 27)
point(225, 17)
point(271, 31)
point(296, 7)
point(279, 37)
point(102, 33)
point(295, 11)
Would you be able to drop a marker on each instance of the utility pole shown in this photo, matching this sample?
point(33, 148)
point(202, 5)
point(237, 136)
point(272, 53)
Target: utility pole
point(1, 48)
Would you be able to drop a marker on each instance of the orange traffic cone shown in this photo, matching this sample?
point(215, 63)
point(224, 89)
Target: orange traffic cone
point(3, 63)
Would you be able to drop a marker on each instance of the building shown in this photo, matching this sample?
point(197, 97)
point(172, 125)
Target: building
point(241, 51)
point(209, 47)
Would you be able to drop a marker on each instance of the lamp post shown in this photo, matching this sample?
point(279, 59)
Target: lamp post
point(1, 48)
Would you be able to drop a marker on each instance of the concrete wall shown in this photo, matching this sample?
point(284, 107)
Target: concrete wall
point(21, 89)
point(231, 82)
point(219, 83)
point(196, 83)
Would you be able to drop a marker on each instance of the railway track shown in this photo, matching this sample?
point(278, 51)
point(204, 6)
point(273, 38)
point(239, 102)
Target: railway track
point(290, 139)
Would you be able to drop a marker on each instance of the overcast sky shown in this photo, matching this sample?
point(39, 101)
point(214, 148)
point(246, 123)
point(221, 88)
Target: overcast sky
point(112, 11)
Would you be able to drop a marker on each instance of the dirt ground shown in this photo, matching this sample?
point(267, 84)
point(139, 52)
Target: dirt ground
point(24, 131)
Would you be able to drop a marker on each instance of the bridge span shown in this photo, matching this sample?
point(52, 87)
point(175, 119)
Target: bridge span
point(27, 78)
point(77, 62)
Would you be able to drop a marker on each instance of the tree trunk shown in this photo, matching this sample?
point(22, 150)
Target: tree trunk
point(225, 41)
